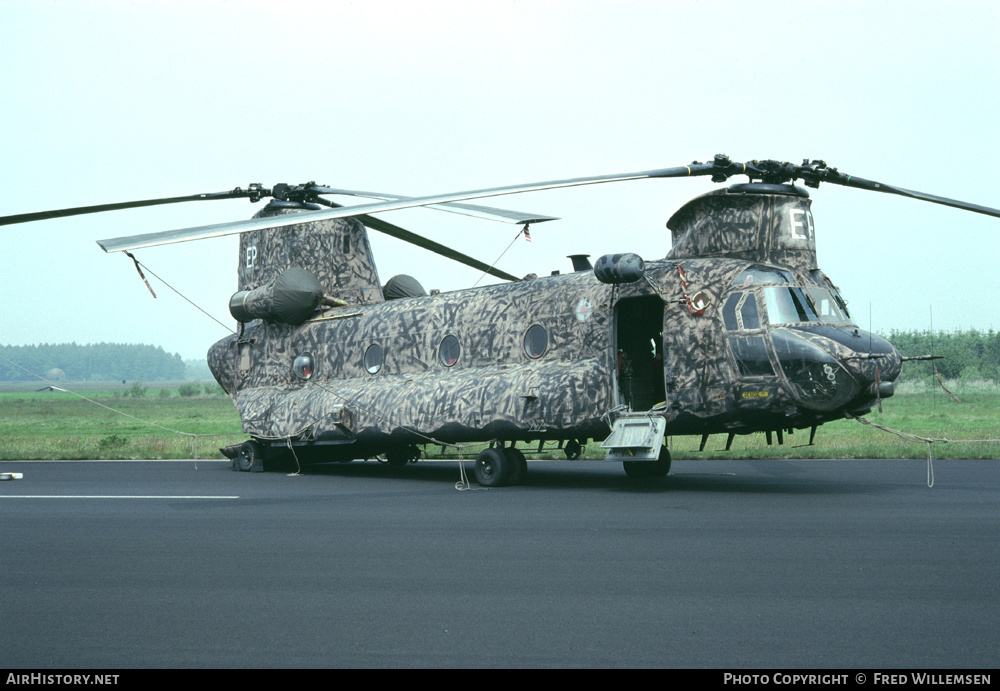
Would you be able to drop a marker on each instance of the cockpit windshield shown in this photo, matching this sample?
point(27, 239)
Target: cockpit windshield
point(788, 306)
point(830, 306)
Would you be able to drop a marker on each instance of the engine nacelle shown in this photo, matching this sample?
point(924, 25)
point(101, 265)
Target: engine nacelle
point(290, 299)
point(619, 268)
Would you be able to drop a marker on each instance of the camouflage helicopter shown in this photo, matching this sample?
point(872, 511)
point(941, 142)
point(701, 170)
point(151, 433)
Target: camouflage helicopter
point(735, 331)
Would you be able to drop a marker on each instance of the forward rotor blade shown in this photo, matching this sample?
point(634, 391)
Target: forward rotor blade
point(220, 229)
point(861, 183)
point(487, 212)
point(98, 208)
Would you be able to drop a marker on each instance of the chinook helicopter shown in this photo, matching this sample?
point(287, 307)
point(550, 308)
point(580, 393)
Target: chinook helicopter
point(736, 331)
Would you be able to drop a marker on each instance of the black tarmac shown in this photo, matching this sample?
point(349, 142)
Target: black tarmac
point(736, 564)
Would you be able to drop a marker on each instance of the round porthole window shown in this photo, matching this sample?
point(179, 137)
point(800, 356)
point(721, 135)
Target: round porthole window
point(373, 358)
point(449, 351)
point(303, 366)
point(536, 340)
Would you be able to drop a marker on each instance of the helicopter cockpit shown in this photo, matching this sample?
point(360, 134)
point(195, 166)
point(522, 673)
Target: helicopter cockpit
point(803, 336)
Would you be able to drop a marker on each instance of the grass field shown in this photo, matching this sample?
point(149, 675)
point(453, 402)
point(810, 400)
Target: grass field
point(56, 425)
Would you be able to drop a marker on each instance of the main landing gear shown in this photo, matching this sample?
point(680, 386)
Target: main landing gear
point(644, 470)
point(250, 457)
point(496, 467)
point(398, 457)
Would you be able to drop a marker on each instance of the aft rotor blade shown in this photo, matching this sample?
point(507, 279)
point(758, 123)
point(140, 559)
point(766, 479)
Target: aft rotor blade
point(98, 208)
point(861, 183)
point(420, 241)
point(487, 212)
point(220, 229)
point(437, 248)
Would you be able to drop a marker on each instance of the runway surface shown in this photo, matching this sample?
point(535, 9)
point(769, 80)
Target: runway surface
point(736, 564)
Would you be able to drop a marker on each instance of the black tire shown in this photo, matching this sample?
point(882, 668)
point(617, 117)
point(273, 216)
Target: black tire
point(644, 470)
point(518, 466)
point(573, 449)
point(397, 458)
point(251, 454)
point(493, 468)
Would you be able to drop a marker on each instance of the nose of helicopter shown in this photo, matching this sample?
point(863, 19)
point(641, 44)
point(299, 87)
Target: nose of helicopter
point(875, 363)
point(832, 368)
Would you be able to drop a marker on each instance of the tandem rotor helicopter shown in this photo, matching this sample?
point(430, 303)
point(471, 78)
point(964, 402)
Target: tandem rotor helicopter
point(735, 331)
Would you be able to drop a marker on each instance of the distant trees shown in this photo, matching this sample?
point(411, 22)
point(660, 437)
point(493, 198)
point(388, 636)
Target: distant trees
point(969, 355)
point(99, 361)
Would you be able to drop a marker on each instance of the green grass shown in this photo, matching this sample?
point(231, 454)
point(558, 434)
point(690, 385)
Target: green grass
point(918, 410)
point(61, 426)
point(53, 425)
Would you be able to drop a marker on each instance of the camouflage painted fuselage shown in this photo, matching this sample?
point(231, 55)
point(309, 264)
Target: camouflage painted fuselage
point(677, 344)
point(493, 389)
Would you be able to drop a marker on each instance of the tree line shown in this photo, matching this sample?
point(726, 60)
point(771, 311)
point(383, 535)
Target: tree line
point(970, 355)
point(92, 362)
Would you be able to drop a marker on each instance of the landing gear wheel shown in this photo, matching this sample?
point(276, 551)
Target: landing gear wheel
point(518, 466)
point(394, 461)
point(250, 457)
point(399, 457)
point(644, 470)
point(493, 468)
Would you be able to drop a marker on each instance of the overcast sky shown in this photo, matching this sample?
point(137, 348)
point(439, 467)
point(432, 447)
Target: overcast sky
point(113, 101)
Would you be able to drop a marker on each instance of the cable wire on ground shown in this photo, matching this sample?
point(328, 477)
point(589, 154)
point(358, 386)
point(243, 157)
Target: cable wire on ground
point(192, 436)
point(926, 440)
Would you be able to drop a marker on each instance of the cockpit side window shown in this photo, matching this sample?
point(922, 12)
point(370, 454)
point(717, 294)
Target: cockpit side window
point(749, 351)
point(748, 313)
point(740, 312)
point(750, 354)
point(729, 311)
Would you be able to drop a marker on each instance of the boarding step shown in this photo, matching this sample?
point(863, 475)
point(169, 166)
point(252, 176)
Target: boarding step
point(635, 437)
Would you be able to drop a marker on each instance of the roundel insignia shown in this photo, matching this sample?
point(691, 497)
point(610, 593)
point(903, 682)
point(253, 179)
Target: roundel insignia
point(699, 302)
point(583, 310)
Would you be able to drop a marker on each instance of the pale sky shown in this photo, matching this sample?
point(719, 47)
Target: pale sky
point(112, 101)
